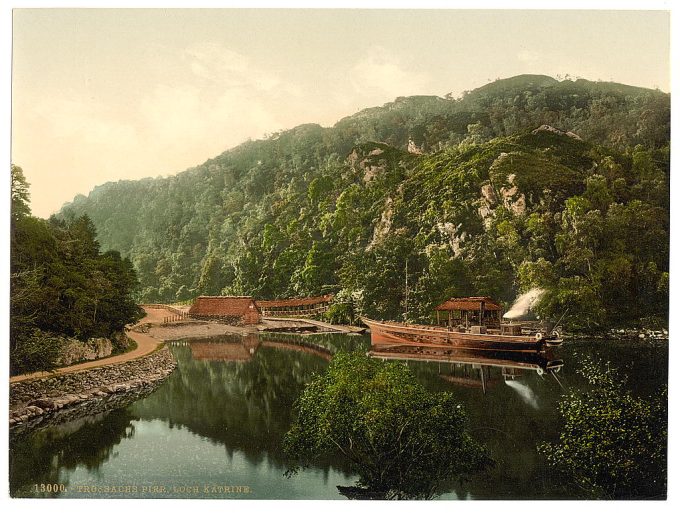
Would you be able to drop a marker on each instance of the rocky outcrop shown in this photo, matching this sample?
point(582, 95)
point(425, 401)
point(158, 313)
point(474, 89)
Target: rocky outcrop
point(76, 351)
point(383, 227)
point(414, 148)
point(369, 163)
point(37, 400)
point(557, 131)
point(513, 200)
point(453, 233)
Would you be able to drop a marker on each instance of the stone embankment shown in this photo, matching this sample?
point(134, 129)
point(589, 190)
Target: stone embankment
point(646, 335)
point(35, 401)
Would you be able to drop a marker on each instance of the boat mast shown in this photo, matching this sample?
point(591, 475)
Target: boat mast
point(406, 301)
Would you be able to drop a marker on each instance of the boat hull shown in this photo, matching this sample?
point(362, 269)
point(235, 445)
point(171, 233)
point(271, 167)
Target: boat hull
point(389, 333)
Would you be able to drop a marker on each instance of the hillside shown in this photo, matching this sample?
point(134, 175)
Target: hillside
point(484, 203)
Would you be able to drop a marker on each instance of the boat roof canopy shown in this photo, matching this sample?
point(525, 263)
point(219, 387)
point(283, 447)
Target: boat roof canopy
point(469, 304)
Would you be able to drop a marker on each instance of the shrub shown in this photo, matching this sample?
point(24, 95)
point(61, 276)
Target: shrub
point(402, 440)
point(612, 444)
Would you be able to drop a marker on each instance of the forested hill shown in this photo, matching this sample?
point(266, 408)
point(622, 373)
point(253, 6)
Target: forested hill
point(470, 191)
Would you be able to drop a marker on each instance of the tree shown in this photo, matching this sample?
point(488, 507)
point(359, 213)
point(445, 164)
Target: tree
point(61, 285)
point(612, 444)
point(20, 195)
point(402, 440)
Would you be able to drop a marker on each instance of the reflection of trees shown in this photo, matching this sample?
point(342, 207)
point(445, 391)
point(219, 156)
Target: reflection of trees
point(38, 457)
point(247, 406)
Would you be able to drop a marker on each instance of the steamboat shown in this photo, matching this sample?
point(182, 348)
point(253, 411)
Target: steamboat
point(472, 323)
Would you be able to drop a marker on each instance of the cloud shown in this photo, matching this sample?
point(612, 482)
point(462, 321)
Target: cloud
point(218, 64)
point(528, 56)
point(210, 99)
point(165, 130)
point(89, 121)
point(381, 73)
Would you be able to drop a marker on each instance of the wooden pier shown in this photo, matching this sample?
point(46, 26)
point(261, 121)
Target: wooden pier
point(290, 324)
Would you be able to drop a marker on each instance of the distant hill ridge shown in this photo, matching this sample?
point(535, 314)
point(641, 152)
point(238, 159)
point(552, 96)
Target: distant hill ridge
point(293, 214)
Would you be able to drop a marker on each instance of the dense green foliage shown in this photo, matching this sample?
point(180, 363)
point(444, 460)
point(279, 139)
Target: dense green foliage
point(402, 440)
point(61, 284)
point(613, 445)
point(485, 204)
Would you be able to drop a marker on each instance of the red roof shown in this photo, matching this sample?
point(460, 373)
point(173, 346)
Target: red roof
point(302, 301)
point(222, 305)
point(469, 303)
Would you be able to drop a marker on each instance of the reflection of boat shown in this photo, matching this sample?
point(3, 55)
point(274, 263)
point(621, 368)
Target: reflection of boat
point(473, 368)
point(509, 361)
point(478, 338)
point(478, 380)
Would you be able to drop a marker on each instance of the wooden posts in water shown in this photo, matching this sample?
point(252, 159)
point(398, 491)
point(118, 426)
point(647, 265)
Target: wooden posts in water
point(174, 318)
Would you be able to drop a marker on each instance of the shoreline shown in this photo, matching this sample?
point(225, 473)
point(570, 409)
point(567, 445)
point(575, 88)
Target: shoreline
point(641, 334)
point(42, 396)
point(38, 400)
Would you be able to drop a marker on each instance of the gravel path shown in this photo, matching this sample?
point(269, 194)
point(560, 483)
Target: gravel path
point(145, 345)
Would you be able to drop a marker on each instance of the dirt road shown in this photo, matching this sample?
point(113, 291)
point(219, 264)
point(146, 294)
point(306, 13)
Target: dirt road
point(145, 345)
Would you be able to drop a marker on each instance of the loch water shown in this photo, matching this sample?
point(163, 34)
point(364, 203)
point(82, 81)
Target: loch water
point(214, 428)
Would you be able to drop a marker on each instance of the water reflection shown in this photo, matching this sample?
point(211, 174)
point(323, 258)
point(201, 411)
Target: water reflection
point(234, 390)
point(47, 455)
point(241, 349)
point(477, 369)
point(527, 395)
point(222, 414)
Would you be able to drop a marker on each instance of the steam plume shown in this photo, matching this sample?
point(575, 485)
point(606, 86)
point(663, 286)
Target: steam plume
point(522, 308)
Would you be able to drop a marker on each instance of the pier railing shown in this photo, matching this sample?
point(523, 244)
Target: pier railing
point(294, 312)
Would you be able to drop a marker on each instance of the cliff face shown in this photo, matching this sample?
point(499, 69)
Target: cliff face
point(526, 181)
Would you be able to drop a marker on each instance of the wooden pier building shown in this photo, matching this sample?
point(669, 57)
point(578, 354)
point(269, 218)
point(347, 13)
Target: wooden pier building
point(236, 310)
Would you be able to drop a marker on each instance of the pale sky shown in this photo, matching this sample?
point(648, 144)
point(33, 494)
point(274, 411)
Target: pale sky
point(102, 95)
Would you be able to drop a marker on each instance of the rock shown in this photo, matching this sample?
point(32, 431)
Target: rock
point(43, 403)
point(548, 128)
